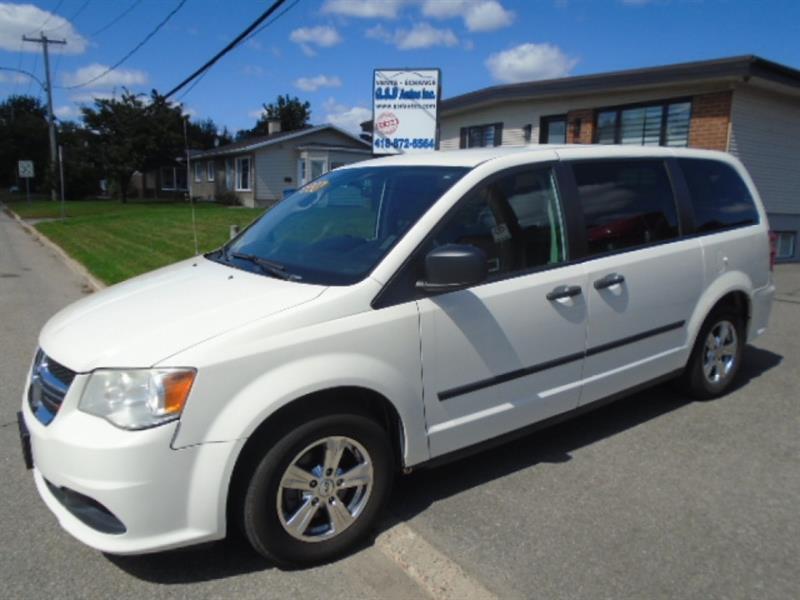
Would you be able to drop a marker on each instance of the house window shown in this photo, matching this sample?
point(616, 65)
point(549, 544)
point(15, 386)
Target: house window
point(181, 178)
point(168, 179)
point(210, 170)
point(243, 174)
point(230, 174)
point(198, 172)
point(657, 124)
point(482, 136)
point(784, 244)
point(553, 130)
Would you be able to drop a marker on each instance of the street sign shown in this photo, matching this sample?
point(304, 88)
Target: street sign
point(25, 168)
point(405, 110)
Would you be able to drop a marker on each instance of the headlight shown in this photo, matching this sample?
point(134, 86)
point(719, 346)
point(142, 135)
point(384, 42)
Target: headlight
point(137, 398)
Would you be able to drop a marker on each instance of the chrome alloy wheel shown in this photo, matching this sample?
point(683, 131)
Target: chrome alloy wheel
point(324, 489)
point(719, 352)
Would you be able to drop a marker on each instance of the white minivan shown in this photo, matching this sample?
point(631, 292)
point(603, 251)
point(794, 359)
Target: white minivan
point(390, 314)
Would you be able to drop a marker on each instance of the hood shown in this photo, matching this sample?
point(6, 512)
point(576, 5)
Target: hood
point(149, 318)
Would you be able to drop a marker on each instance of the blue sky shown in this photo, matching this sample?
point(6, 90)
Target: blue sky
point(325, 50)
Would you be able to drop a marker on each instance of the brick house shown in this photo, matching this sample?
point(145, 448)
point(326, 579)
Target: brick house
point(744, 105)
point(259, 170)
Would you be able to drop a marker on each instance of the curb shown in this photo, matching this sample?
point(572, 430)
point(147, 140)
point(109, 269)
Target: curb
point(93, 282)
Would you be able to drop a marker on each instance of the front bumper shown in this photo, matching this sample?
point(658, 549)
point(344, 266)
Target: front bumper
point(164, 498)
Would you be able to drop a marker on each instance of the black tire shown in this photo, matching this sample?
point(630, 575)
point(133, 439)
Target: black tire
point(694, 380)
point(260, 517)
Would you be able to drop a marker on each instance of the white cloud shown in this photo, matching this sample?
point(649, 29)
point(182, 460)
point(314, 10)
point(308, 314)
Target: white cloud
point(253, 44)
point(256, 114)
point(67, 111)
point(323, 36)
point(6, 77)
point(478, 15)
point(188, 111)
point(421, 35)
point(364, 9)
point(527, 62)
point(348, 118)
point(117, 77)
point(312, 84)
point(17, 20)
point(90, 97)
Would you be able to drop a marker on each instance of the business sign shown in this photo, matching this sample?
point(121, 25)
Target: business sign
point(25, 168)
point(405, 106)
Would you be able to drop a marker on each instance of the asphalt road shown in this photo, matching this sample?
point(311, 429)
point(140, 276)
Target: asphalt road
point(654, 496)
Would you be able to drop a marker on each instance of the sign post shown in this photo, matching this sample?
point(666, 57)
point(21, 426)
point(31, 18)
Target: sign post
point(405, 116)
point(25, 171)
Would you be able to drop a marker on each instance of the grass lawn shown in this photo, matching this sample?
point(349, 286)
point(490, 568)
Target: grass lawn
point(116, 241)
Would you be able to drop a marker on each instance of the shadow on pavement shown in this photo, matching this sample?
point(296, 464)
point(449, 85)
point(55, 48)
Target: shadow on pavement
point(414, 493)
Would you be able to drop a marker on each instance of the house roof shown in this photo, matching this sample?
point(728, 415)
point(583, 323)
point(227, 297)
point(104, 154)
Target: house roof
point(255, 143)
point(731, 68)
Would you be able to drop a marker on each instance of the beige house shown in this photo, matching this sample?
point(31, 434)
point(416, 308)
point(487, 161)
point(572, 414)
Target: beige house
point(744, 105)
point(258, 171)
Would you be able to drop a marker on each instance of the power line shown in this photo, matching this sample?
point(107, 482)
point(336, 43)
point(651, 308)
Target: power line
point(237, 40)
point(114, 21)
point(249, 37)
point(131, 53)
point(72, 18)
point(50, 15)
point(28, 74)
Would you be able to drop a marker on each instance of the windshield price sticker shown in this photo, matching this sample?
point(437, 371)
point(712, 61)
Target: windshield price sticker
point(405, 110)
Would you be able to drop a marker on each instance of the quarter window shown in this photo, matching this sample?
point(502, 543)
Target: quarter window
point(243, 174)
point(720, 198)
point(481, 136)
point(662, 124)
point(625, 204)
point(515, 219)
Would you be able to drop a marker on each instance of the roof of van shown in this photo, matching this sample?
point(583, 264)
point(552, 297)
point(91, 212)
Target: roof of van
point(476, 156)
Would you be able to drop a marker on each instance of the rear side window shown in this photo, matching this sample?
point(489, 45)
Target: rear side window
point(625, 203)
point(719, 196)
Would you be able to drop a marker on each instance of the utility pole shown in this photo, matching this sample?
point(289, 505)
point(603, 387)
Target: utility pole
point(45, 41)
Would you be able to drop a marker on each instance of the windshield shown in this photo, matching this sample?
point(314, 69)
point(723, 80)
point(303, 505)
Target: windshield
point(335, 229)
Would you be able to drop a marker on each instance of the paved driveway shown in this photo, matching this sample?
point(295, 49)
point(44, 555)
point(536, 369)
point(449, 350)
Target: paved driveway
point(654, 496)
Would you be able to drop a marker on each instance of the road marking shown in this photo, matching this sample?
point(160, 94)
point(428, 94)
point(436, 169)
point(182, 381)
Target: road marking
point(430, 569)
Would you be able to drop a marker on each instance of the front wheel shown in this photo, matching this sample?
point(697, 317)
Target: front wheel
point(716, 356)
point(319, 490)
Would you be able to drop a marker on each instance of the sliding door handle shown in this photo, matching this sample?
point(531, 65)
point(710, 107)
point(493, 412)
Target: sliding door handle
point(608, 281)
point(564, 291)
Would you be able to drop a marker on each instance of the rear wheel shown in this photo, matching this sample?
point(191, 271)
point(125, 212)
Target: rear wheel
point(319, 490)
point(716, 356)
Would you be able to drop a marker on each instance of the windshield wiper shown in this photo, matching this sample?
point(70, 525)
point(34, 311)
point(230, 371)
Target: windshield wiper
point(273, 268)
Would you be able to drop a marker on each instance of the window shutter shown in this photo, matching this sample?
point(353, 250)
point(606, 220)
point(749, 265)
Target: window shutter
point(463, 140)
point(498, 134)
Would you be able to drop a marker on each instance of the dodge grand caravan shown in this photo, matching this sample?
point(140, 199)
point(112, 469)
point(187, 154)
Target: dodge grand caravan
point(388, 314)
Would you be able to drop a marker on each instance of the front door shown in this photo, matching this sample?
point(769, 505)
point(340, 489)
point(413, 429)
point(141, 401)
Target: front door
point(510, 351)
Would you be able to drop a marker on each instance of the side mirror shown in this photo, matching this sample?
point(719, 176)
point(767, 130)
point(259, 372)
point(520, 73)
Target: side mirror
point(453, 267)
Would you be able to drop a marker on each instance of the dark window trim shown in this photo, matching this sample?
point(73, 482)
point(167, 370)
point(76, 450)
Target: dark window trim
point(544, 126)
point(551, 364)
point(664, 103)
point(498, 135)
point(400, 288)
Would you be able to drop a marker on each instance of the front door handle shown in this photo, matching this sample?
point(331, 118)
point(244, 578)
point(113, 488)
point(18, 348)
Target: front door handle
point(564, 291)
point(608, 281)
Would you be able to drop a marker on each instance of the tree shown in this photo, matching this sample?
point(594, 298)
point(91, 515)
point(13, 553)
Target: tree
point(83, 168)
point(133, 134)
point(23, 136)
point(292, 113)
point(204, 135)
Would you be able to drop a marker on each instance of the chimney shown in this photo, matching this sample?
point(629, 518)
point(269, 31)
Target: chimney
point(273, 125)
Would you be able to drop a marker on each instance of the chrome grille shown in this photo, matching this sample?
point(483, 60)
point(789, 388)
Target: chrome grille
point(50, 382)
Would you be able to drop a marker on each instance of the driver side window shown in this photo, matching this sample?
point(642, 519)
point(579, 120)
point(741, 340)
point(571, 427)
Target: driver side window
point(514, 218)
